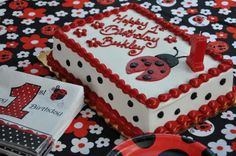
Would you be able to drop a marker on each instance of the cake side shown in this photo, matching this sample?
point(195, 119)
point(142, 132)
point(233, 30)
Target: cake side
point(141, 93)
point(180, 123)
point(126, 106)
point(136, 113)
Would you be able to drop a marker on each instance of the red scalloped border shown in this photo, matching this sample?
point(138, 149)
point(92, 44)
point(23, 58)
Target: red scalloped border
point(182, 123)
point(14, 126)
point(152, 102)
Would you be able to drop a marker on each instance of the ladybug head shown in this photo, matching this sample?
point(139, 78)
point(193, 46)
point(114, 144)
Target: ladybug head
point(171, 60)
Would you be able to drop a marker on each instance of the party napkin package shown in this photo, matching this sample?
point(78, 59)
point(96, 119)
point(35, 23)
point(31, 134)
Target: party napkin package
point(35, 112)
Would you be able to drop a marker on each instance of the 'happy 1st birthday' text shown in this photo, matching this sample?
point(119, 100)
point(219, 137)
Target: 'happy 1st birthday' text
point(132, 35)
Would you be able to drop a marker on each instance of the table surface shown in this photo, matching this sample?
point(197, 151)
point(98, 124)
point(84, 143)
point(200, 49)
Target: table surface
point(23, 35)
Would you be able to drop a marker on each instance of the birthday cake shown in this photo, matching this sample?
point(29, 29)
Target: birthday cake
point(140, 72)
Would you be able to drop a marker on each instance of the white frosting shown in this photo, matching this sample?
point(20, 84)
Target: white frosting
point(117, 58)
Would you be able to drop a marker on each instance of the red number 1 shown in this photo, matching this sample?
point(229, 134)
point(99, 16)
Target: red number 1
point(24, 95)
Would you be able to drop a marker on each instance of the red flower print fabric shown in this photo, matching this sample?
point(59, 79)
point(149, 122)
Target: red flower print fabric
point(33, 41)
point(31, 13)
point(79, 126)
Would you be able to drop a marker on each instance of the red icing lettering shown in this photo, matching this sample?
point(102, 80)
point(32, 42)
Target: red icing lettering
point(24, 95)
point(115, 30)
point(109, 41)
point(130, 21)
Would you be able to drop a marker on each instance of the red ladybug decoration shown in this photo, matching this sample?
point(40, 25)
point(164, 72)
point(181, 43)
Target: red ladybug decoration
point(154, 68)
point(218, 46)
point(203, 127)
point(18, 4)
point(49, 29)
point(5, 56)
point(105, 2)
point(160, 145)
point(198, 19)
point(58, 94)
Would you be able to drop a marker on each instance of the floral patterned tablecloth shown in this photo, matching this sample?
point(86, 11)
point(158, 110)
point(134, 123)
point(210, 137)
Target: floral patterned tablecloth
point(26, 29)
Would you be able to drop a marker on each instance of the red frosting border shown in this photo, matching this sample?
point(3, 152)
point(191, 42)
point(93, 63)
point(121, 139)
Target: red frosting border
point(182, 123)
point(152, 102)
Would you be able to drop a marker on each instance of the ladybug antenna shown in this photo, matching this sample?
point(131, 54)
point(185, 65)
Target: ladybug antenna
point(181, 57)
point(177, 51)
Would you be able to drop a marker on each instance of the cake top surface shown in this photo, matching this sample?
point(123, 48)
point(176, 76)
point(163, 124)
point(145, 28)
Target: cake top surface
point(144, 54)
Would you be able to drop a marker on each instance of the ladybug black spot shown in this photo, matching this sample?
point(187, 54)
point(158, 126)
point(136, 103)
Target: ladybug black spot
point(158, 63)
point(114, 153)
point(187, 140)
point(163, 71)
point(145, 141)
point(147, 77)
point(208, 152)
point(143, 59)
point(147, 63)
point(133, 65)
point(173, 152)
point(171, 60)
point(150, 71)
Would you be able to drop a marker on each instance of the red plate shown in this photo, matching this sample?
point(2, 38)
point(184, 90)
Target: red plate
point(160, 145)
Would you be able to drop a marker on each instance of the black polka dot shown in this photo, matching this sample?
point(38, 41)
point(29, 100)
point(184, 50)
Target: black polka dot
point(89, 78)
point(208, 96)
point(207, 152)
point(160, 114)
point(59, 47)
point(135, 118)
point(177, 111)
point(222, 81)
point(130, 103)
point(173, 152)
point(80, 64)
point(110, 96)
point(115, 152)
point(187, 140)
point(194, 96)
point(68, 63)
point(100, 80)
point(145, 141)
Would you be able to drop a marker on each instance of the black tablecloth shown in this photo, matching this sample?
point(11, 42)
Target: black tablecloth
point(26, 28)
